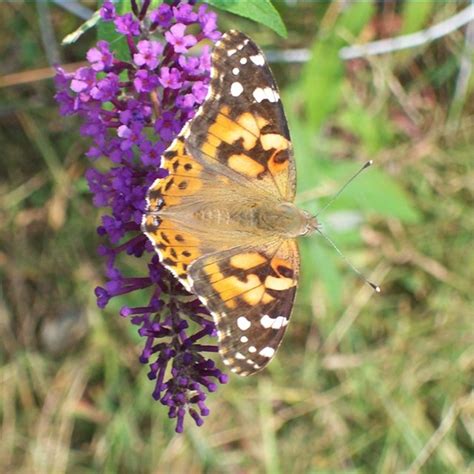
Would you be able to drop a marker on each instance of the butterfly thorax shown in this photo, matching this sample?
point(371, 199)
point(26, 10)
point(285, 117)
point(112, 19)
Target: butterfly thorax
point(280, 218)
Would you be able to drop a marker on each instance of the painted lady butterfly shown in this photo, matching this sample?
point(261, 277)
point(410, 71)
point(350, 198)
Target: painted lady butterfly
point(223, 220)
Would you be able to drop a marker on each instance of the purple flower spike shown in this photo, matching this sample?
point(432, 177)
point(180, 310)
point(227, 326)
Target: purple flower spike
point(131, 111)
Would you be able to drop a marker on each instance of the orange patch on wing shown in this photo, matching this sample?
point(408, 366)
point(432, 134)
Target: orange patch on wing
point(261, 122)
point(231, 287)
point(267, 298)
point(177, 248)
point(247, 121)
point(229, 131)
point(274, 140)
point(254, 297)
point(243, 164)
point(247, 260)
point(213, 272)
point(277, 264)
point(180, 185)
point(209, 149)
point(278, 162)
point(279, 283)
point(183, 165)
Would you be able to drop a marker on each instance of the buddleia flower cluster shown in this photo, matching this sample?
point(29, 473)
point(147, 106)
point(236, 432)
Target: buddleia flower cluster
point(131, 110)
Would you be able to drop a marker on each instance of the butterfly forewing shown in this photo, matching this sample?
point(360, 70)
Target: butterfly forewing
point(241, 125)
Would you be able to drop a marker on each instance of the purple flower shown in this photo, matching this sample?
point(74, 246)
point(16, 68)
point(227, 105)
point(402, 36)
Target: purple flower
point(84, 80)
point(176, 37)
point(184, 13)
point(131, 111)
point(208, 22)
point(107, 12)
point(151, 153)
point(148, 53)
point(130, 135)
point(170, 78)
point(100, 57)
point(145, 81)
point(162, 16)
point(200, 91)
point(106, 89)
point(127, 25)
point(167, 126)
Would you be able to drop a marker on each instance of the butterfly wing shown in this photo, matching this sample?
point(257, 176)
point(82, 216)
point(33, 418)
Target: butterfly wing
point(241, 126)
point(250, 293)
point(170, 201)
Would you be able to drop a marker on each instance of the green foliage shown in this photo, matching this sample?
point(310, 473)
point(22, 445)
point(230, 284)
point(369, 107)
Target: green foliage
point(322, 76)
point(416, 14)
point(260, 11)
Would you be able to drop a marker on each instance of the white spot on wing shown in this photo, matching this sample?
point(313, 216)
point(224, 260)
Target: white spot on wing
point(266, 321)
point(236, 89)
point(267, 352)
point(235, 71)
point(268, 93)
point(274, 323)
point(240, 356)
point(244, 339)
point(243, 323)
point(258, 60)
point(243, 60)
point(252, 349)
point(230, 52)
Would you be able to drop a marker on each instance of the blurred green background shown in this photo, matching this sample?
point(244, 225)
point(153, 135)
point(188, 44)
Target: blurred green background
point(363, 383)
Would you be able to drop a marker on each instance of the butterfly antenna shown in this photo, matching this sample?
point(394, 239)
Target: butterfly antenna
point(375, 287)
point(349, 181)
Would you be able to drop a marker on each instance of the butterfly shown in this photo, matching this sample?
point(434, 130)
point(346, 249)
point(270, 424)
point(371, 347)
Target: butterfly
point(223, 220)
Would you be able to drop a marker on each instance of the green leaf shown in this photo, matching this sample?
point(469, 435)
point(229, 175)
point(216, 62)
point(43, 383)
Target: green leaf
point(117, 41)
point(374, 191)
point(323, 75)
point(76, 34)
point(380, 193)
point(415, 15)
point(321, 263)
point(261, 11)
point(375, 131)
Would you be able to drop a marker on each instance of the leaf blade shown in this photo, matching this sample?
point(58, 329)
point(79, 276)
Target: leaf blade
point(260, 11)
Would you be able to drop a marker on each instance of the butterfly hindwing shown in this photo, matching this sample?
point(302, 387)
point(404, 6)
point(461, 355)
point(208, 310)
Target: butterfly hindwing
point(250, 293)
point(241, 124)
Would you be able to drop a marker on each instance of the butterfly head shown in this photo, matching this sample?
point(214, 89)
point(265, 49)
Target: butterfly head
point(310, 223)
point(294, 221)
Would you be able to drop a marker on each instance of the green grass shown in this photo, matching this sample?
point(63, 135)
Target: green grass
point(363, 383)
